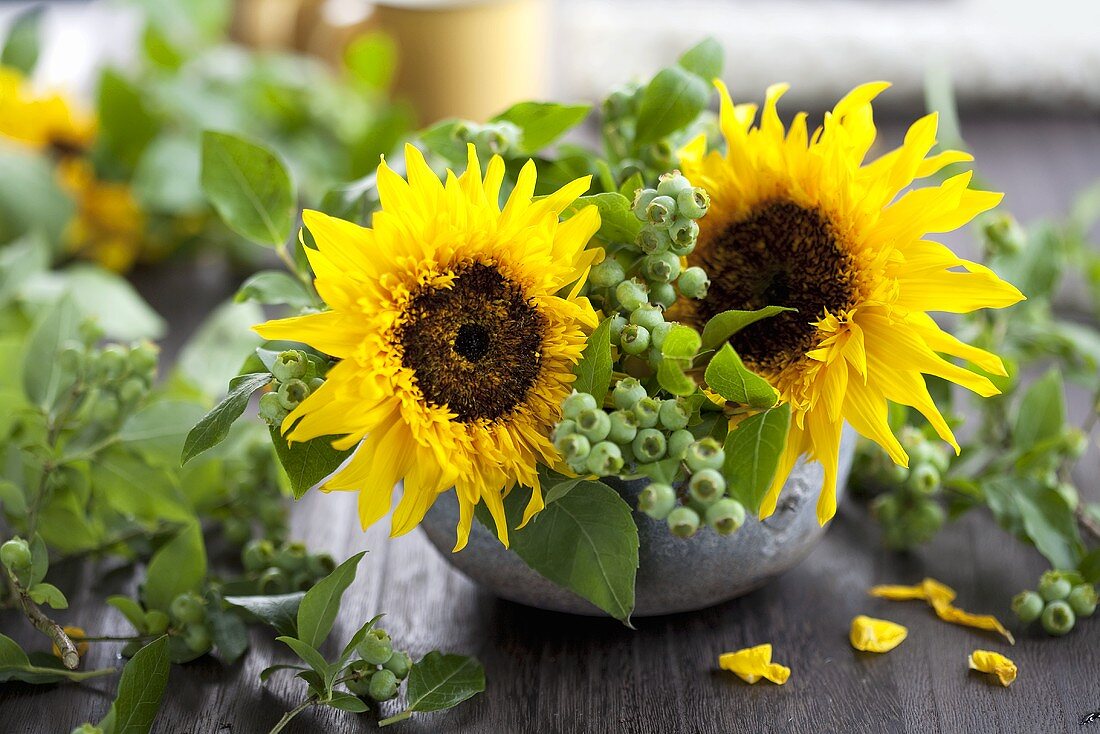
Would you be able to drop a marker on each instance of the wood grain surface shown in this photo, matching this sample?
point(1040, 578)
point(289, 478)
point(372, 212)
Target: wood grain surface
point(556, 673)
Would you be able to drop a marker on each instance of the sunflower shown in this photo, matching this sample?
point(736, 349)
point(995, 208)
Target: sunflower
point(800, 220)
point(457, 325)
point(109, 224)
point(42, 122)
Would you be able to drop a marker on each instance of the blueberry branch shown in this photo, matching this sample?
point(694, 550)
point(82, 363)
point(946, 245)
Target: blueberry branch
point(69, 656)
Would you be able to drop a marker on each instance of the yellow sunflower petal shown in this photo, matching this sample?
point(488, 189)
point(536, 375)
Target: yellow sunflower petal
point(986, 661)
point(876, 635)
point(753, 664)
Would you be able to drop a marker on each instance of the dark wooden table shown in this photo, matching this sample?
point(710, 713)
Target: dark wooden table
point(555, 673)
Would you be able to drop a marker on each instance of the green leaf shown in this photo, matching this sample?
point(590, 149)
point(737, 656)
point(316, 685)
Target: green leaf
point(1089, 567)
point(43, 593)
point(346, 702)
point(753, 450)
point(43, 376)
point(40, 560)
point(31, 199)
point(704, 59)
point(215, 425)
point(229, 634)
point(319, 606)
point(166, 178)
point(211, 358)
point(440, 139)
point(21, 260)
point(307, 462)
point(21, 46)
point(677, 354)
point(353, 642)
point(15, 665)
point(587, 542)
point(670, 101)
point(159, 429)
point(272, 287)
point(130, 609)
point(371, 60)
point(140, 690)
point(135, 488)
point(126, 125)
point(438, 682)
point(272, 669)
point(249, 187)
point(617, 220)
point(724, 325)
point(1050, 523)
point(594, 370)
point(113, 303)
point(542, 122)
point(729, 377)
point(279, 611)
point(1042, 411)
point(177, 567)
point(307, 653)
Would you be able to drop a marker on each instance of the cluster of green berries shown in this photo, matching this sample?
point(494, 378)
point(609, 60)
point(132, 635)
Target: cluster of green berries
point(253, 496)
point(187, 616)
point(1058, 602)
point(701, 499)
point(620, 112)
point(908, 510)
point(15, 554)
point(295, 379)
point(492, 138)
point(380, 669)
point(284, 568)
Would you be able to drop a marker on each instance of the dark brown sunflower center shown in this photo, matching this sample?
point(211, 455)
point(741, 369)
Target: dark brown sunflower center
point(476, 346)
point(780, 255)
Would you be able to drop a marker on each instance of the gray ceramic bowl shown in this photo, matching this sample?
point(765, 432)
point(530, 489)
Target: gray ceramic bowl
point(674, 574)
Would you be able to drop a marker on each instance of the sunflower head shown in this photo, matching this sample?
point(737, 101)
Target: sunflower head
point(43, 122)
point(109, 224)
point(457, 325)
point(805, 221)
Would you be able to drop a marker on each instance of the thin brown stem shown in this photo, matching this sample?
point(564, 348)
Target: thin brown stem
point(70, 658)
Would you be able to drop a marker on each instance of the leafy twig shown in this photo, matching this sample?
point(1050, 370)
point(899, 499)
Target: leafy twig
point(291, 714)
point(70, 658)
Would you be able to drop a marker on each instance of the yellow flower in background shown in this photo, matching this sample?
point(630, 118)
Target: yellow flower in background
point(799, 220)
point(754, 663)
point(939, 596)
point(876, 635)
point(41, 121)
point(985, 661)
point(457, 325)
point(108, 226)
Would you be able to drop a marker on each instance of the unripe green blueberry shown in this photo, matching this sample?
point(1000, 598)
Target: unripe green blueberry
point(292, 557)
point(573, 446)
point(925, 520)
point(106, 408)
point(606, 274)
point(662, 267)
point(624, 427)
point(131, 390)
point(143, 359)
point(289, 365)
point(292, 392)
point(672, 183)
point(187, 608)
point(683, 522)
point(301, 581)
point(1058, 618)
point(642, 199)
point(726, 516)
point(605, 459)
point(694, 283)
point(156, 622)
point(112, 362)
point(271, 408)
point(658, 334)
point(647, 411)
point(885, 508)
point(383, 685)
point(647, 316)
point(923, 479)
point(314, 383)
point(657, 500)
point(627, 392)
point(321, 564)
point(661, 212)
point(679, 442)
point(707, 486)
point(706, 453)
point(652, 241)
point(648, 445)
point(673, 415)
point(236, 530)
point(564, 428)
point(896, 473)
point(376, 647)
point(1028, 606)
point(399, 664)
point(90, 331)
point(618, 323)
point(577, 402)
point(594, 424)
point(663, 295)
point(16, 555)
point(197, 638)
point(273, 581)
point(1082, 599)
point(635, 339)
point(257, 554)
point(1053, 587)
point(360, 686)
point(631, 294)
point(693, 203)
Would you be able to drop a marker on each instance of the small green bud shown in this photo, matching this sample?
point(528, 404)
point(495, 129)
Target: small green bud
point(1058, 618)
point(652, 241)
point(632, 294)
point(706, 453)
point(399, 664)
point(627, 392)
point(618, 323)
point(292, 557)
point(657, 500)
point(647, 411)
point(726, 516)
point(383, 685)
point(1053, 587)
point(642, 199)
point(156, 622)
point(684, 234)
point(143, 359)
point(923, 479)
point(197, 638)
point(292, 392)
point(606, 274)
point(707, 486)
point(1027, 606)
point(663, 295)
point(16, 555)
point(693, 203)
point(683, 522)
point(273, 581)
point(106, 409)
point(131, 391)
point(679, 442)
point(674, 415)
point(577, 402)
point(187, 608)
point(573, 446)
point(1082, 599)
point(594, 424)
point(290, 365)
point(661, 212)
point(605, 459)
point(271, 409)
point(112, 361)
point(694, 283)
point(648, 445)
point(257, 554)
point(376, 648)
point(648, 316)
point(663, 267)
point(624, 427)
point(635, 339)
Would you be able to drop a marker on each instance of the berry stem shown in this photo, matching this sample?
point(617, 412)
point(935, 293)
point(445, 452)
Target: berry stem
point(281, 724)
point(69, 656)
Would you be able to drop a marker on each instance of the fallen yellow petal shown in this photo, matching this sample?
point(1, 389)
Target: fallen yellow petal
point(876, 635)
point(754, 663)
point(988, 622)
point(939, 596)
point(986, 661)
